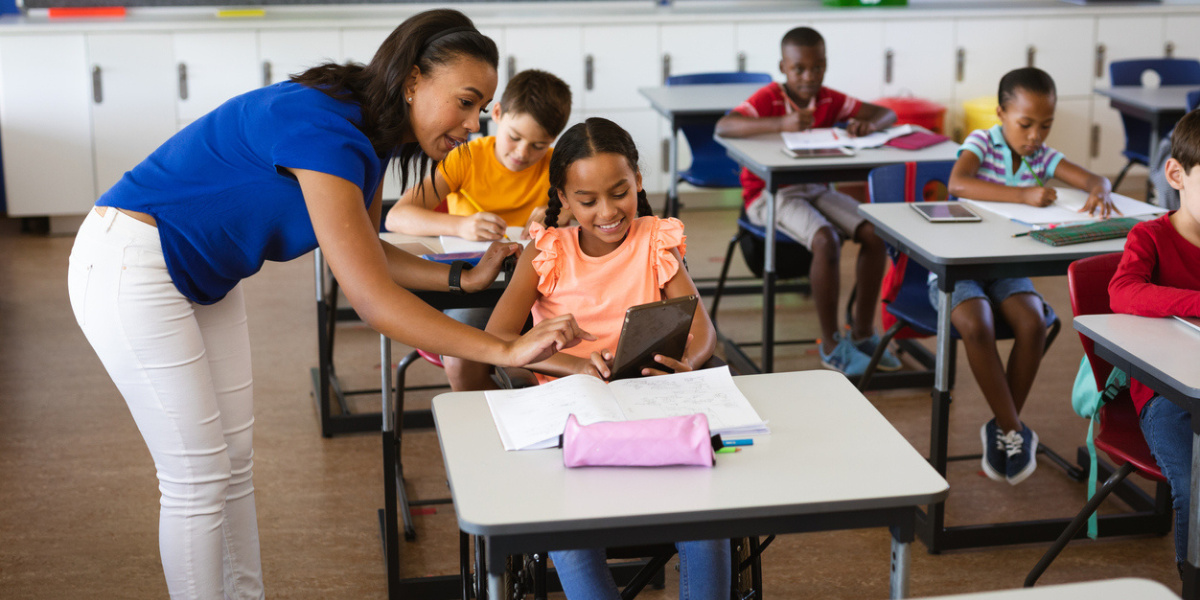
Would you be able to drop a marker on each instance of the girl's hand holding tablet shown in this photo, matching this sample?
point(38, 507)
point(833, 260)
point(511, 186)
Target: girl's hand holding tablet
point(599, 365)
point(676, 366)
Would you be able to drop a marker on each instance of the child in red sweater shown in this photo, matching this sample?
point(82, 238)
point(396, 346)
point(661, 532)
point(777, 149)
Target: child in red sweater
point(1157, 277)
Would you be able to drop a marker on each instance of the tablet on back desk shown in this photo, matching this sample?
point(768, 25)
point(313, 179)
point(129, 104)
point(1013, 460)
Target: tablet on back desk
point(945, 212)
point(655, 328)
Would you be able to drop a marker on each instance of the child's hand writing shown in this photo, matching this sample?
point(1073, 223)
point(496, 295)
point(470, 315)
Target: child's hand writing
point(481, 226)
point(678, 366)
point(539, 343)
point(1038, 196)
point(599, 364)
point(1100, 200)
point(484, 273)
point(800, 120)
point(856, 127)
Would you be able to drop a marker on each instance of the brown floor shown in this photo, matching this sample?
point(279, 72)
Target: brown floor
point(78, 496)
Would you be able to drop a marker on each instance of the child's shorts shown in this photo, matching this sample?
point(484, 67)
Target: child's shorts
point(801, 210)
point(994, 290)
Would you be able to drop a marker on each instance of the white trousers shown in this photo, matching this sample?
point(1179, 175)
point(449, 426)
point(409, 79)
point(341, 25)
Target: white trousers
point(184, 370)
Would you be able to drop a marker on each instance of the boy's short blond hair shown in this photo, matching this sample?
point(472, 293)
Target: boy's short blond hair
point(540, 95)
point(1185, 142)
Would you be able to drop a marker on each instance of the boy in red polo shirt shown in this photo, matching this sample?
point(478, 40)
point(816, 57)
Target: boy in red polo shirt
point(813, 214)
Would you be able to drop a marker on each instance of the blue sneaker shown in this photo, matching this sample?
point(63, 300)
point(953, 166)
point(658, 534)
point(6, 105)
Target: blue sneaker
point(1021, 448)
point(995, 451)
point(888, 362)
point(845, 357)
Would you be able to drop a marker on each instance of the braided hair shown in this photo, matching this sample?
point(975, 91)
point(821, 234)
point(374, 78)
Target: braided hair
point(584, 140)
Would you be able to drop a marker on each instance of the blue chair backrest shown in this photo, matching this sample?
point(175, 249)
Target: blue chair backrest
point(1171, 71)
point(1193, 100)
point(887, 184)
point(731, 77)
point(711, 167)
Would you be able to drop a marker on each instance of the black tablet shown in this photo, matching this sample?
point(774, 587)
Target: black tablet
point(655, 328)
point(946, 212)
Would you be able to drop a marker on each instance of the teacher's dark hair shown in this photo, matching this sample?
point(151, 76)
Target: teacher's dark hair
point(426, 40)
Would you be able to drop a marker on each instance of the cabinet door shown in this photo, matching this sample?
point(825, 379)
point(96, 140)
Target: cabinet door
point(287, 53)
point(213, 67)
point(620, 64)
point(133, 101)
point(1181, 36)
point(854, 57)
point(1071, 134)
point(758, 46)
point(1120, 38)
point(45, 128)
point(697, 49)
point(359, 45)
point(922, 58)
point(642, 126)
point(1064, 48)
point(558, 50)
point(985, 50)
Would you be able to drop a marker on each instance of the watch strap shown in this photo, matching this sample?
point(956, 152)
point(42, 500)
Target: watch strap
point(456, 269)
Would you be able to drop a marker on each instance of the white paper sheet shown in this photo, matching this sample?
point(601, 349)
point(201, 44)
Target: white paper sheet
point(831, 137)
point(532, 417)
point(452, 244)
point(1065, 209)
point(708, 391)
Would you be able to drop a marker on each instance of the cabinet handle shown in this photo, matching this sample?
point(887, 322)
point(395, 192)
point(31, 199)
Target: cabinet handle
point(512, 67)
point(741, 62)
point(266, 73)
point(589, 72)
point(183, 87)
point(97, 88)
point(666, 155)
point(1030, 55)
point(1100, 50)
point(960, 64)
point(1169, 50)
point(889, 58)
point(1095, 141)
point(666, 68)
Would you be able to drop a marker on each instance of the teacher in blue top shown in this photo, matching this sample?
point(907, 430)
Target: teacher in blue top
point(155, 272)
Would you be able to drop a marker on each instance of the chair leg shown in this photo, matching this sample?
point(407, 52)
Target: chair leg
point(464, 563)
point(639, 581)
point(850, 307)
point(876, 356)
point(1120, 176)
point(712, 313)
point(1054, 329)
point(410, 530)
point(1078, 522)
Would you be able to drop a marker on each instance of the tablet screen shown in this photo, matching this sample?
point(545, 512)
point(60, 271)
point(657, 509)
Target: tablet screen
point(946, 211)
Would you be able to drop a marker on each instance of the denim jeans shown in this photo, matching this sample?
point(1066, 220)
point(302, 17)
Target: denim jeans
point(1168, 431)
point(704, 572)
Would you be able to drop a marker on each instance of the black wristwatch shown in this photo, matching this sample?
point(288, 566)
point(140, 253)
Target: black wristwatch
point(456, 269)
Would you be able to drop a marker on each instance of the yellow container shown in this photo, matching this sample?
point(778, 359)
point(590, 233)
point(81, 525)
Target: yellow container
point(979, 113)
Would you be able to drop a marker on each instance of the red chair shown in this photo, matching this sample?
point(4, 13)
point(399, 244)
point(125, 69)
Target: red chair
point(1120, 435)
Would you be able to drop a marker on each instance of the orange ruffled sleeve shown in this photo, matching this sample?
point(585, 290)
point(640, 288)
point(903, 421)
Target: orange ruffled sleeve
point(546, 264)
point(667, 234)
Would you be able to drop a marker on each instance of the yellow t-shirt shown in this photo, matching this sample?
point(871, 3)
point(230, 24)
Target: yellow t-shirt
point(510, 195)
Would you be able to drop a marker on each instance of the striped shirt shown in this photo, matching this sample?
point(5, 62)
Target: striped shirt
point(996, 159)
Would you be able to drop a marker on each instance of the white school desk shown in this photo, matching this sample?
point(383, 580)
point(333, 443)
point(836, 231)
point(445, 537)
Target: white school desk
point(763, 155)
point(1162, 354)
point(1109, 589)
point(831, 462)
point(1164, 104)
point(687, 104)
point(981, 250)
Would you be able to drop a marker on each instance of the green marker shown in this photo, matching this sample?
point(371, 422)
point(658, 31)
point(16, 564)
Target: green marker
point(727, 450)
point(1032, 172)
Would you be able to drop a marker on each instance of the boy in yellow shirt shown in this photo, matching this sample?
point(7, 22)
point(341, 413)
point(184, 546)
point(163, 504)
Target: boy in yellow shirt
point(496, 181)
point(492, 182)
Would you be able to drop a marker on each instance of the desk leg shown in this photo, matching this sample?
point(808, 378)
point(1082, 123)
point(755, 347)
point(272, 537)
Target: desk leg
point(1191, 568)
point(673, 167)
point(1154, 140)
point(495, 569)
point(900, 565)
point(934, 525)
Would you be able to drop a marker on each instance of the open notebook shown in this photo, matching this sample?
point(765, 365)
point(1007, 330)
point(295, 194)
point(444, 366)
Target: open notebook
point(1066, 208)
point(533, 418)
point(832, 137)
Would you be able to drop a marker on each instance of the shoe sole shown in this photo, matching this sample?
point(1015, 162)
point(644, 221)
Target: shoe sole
point(991, 473)
point(1031, 467)
point(837, 370)
point(887, 369)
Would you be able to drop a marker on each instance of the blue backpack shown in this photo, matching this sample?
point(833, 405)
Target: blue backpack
point(1087, 400)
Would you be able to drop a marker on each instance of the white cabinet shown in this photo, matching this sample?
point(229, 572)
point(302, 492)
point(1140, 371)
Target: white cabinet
point(985, 50)
point(921, 58)
point(618, 61)
point(286, 53)
point(133, 101)
point(1125, 37)
point(45, 127)
point(1072, 133)
point(1064, 48)
point(703, 48)
point(758, 46)
point(212, 68)
point(359, 45)
point(558, 50)
point(1181, 36)
point(854, 57)
point(643, 127)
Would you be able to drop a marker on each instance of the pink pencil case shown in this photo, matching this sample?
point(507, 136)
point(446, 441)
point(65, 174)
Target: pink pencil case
point(646, 443)
point(916, 140)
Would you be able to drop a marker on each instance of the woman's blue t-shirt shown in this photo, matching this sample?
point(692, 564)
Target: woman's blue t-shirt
point(218, 191)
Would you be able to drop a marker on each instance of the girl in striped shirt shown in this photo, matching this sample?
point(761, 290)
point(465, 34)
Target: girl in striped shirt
point(1010, 163)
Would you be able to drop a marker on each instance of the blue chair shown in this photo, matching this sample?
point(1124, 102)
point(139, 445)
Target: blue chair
point(907, 312)
point(1193, 100)
point(1171, 71)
